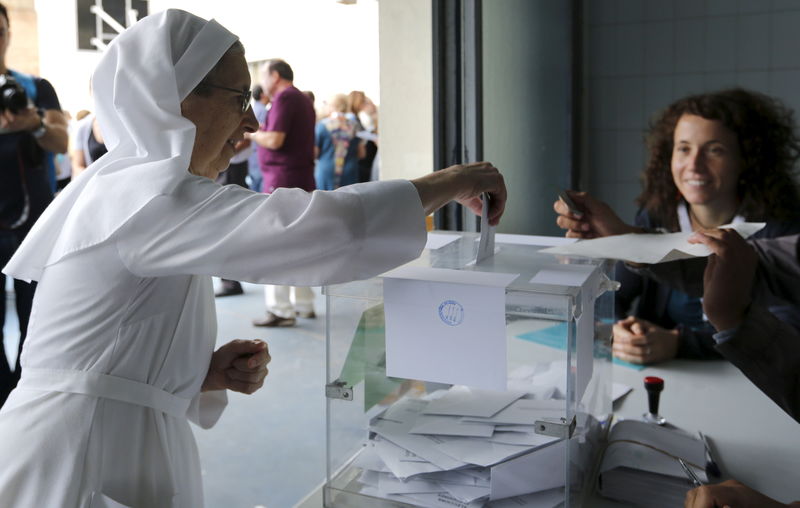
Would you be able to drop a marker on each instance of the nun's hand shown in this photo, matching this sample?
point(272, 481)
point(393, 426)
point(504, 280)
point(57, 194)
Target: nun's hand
point(239, 365)
point(464, 183)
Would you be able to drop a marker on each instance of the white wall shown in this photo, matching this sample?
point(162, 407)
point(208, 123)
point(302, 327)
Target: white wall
point(60, 61)
point(642, 55)
point(406, 128)
point(331, 47)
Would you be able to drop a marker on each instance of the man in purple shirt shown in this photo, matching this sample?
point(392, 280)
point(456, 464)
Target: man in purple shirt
point(285, 144)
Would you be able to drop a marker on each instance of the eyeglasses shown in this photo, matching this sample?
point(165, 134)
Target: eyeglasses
point(245, 95)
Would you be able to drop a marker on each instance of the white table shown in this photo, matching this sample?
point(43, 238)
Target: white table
point(753, 439)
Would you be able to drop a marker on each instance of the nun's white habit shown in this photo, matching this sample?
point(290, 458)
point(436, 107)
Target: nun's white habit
point(123, 324)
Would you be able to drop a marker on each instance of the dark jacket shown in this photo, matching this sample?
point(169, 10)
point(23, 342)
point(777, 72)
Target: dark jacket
point(647, 299)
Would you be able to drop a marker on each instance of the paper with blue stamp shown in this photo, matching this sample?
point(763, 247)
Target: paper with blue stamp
point(446, 326)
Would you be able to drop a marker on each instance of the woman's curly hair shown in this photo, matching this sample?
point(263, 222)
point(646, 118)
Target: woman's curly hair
point(764, 128)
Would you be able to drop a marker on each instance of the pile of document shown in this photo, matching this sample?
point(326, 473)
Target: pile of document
point(640, 464)
point(466, 448)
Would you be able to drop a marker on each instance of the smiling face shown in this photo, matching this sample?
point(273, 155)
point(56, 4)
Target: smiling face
point(706, 162)
point(217, 115)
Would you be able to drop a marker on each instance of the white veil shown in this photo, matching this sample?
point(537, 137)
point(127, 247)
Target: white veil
point(138, 86)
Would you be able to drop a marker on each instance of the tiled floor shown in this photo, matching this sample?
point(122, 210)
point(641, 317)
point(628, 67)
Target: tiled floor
point(268, 449)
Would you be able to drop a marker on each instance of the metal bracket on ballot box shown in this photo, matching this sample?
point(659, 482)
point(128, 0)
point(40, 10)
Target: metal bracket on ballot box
point(555, 428)
point(339, 390)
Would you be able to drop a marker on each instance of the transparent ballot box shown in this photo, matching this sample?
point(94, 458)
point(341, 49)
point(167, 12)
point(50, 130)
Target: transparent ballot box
point(452, 383)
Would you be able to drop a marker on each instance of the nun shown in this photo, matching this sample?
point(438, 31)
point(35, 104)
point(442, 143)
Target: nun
point(119, 355)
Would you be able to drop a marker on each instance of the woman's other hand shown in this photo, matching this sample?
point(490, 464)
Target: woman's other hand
point(728, 279)
point(239, 365)
point(464, 183)
point(597, 219)
point(639, 341)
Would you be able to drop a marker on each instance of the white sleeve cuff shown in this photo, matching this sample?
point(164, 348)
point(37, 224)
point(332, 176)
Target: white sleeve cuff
point(206, 408)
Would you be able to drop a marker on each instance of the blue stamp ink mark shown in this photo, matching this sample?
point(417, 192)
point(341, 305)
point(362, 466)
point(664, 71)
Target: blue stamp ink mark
point(451, 312)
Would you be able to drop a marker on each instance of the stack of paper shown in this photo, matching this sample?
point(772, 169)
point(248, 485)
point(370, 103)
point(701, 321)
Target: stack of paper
point(466, 448)
point(640, 464)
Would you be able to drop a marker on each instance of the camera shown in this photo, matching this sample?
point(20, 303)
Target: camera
point(12, 96)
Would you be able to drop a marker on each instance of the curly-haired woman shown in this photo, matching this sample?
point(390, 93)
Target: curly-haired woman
point(715, 158)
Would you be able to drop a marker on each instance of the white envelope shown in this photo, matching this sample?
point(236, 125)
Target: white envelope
point(480, 452)
point(544, 499)
point(446, 326)
point(521, 438)
point(524, 412)
point(394, 425)
point(539, 470)
point(388, 484)
point(450, 426)
point(465, 401)
point(466, 493)
point(391, 454)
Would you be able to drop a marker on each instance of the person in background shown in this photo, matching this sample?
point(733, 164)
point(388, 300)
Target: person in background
point(361, 109)
point(29, 136)
point(260, 109)
point(285, 144)
point(337, 147)
point(236, 174)
point(63, 161)
point(88, 144)
point(715, 158)
point(312, 98)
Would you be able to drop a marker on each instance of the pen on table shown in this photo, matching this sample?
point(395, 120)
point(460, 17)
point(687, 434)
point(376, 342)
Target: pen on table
point(712, 468)
point(690, 474)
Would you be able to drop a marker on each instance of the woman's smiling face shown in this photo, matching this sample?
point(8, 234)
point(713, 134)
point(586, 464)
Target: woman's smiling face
point(218, 117)
point(706, 162)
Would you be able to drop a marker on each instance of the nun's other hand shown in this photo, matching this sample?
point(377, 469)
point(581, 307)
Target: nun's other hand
point(239, 365)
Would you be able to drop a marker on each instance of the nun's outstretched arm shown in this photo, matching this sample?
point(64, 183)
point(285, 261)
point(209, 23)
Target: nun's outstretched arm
point(294, 237)
point(289, 237)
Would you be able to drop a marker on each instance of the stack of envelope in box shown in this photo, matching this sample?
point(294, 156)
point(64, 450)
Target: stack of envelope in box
point(465, 448)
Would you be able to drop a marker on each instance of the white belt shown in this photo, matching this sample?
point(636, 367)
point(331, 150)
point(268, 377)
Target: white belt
point(103, 385)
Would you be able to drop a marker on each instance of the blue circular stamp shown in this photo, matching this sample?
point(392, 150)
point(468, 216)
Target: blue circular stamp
point(451, 312)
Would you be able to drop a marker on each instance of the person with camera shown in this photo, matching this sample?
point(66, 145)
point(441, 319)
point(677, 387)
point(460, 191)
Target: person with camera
point(32, 129)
